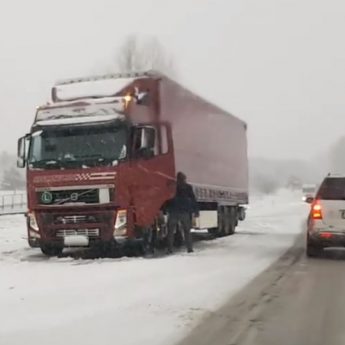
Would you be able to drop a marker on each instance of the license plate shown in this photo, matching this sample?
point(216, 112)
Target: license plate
point(76, 241)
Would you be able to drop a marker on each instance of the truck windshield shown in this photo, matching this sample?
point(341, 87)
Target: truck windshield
point(78, 147)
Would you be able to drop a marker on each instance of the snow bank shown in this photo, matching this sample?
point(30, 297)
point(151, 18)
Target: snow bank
point(135, 301)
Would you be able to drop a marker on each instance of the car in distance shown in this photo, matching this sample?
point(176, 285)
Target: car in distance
point(326, 221)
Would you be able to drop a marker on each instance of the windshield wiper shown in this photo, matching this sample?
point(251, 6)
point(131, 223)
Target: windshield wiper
point(96, 158)
point(93, 156)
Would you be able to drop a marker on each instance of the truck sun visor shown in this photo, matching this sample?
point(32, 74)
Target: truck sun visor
point(89, 89)
point(80, 112)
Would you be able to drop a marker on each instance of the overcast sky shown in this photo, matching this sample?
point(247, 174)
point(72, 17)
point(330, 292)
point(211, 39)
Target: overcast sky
point(278, 64)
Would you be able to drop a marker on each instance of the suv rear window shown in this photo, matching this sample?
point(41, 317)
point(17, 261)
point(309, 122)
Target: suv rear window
point(332, 189)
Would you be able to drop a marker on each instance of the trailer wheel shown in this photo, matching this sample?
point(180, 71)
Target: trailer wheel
point(229, 220)
point(221, 230)
point(50, 250)
point(232, 220)
point(226, 221)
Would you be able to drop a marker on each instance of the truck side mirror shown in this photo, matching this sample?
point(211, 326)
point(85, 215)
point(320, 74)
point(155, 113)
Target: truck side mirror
point(21, 152)
point(141, 97)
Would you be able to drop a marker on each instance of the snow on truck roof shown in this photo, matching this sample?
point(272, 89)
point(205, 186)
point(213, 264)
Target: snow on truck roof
point(94, 110)
point(97, 88)
point(88, 99)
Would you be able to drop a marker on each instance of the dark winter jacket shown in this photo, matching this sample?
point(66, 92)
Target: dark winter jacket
point(184, 200)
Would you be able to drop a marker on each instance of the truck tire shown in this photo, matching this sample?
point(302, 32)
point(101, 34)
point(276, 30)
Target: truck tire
point(227, 224)
point(50, 250)
point(221, 230)
point(232, 220)
point(104, 249)
point(241, 213)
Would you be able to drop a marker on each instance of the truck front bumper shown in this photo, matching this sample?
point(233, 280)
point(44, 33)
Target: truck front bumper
point(71, 228)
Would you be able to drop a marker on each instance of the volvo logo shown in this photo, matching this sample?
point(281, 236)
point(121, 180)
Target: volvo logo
point(46, 197)
point(74, 197)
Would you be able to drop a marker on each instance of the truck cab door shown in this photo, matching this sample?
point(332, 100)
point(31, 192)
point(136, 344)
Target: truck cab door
point(153, 170)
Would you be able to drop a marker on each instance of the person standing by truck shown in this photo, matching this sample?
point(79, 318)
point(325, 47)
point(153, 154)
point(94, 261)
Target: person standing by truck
point(181, 210)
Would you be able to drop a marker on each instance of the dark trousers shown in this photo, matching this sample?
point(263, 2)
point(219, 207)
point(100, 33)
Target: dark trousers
point(185, 221)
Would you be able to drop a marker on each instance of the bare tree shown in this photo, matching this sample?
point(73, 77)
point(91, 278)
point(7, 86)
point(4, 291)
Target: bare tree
point(144, 54)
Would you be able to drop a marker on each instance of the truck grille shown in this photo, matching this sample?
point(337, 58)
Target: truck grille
point(61, 197)
point(91, 233)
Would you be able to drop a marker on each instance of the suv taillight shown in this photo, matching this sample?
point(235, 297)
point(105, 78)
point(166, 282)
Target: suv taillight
point(316, 211)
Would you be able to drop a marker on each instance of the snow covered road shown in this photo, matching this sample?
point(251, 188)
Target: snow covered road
point(134, 300)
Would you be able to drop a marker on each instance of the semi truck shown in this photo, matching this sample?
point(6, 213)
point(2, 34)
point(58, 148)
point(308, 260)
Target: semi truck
point(100, 166)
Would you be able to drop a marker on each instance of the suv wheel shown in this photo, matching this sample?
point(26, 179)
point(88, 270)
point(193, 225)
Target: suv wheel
point(312, 250)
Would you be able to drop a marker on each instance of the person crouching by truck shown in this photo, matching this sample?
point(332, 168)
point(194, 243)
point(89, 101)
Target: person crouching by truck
point(181, 210)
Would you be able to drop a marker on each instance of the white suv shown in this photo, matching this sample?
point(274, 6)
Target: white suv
point(326, 221)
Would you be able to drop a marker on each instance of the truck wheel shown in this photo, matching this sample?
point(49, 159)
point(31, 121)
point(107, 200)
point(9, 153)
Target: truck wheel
point(105, 249)
point(241, 213)
point(232, 219)
point(221, 230)
point(228, 221)
point(50, 250)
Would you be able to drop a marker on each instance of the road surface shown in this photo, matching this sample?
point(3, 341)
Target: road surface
point(297, 301)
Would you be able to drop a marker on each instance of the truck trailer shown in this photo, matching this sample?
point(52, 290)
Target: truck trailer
point(101, 166)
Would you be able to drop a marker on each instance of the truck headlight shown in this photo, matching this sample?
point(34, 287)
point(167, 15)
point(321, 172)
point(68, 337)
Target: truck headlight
point(120, 228)
point(32, 221)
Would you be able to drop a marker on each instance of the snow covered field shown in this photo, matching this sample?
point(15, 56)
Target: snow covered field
point(132, 301)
